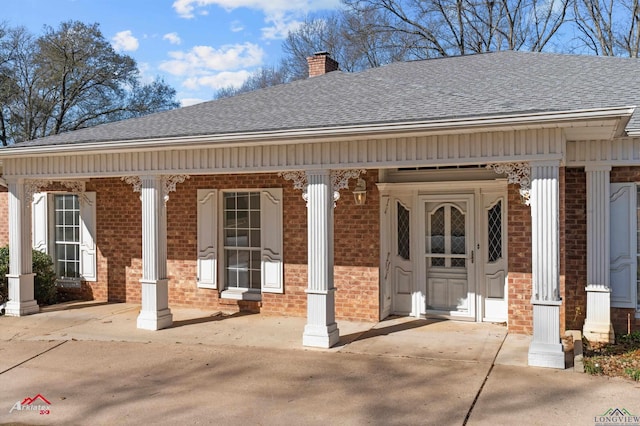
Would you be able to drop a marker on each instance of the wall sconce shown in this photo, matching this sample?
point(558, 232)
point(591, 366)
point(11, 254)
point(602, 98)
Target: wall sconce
point(360, 192)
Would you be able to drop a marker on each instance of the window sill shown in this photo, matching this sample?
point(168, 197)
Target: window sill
point(241, 294)
point(68, 282)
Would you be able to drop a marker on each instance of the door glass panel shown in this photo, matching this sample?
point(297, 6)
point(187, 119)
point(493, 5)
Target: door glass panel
point(437, 236)
point(458, 242)
point(494, 230)
point(403, 232)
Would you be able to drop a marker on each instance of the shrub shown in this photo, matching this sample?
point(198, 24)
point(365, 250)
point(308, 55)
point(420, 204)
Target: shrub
point(45, 291)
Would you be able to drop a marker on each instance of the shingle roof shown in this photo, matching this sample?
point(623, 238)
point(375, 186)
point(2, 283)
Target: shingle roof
point(435, 89)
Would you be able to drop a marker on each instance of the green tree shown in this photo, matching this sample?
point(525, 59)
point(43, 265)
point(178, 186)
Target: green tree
point(70, 78)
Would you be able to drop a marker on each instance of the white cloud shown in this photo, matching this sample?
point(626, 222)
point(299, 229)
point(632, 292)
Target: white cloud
point(281, 14)
point(217, 81)
point(236, 26)
point(191, 101)
point(188, 8)
point(206, 59)
point(124, 40)
point(281, 25)
point(173, 38)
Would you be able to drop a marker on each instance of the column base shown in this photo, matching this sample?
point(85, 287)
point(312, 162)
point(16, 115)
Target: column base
point(598, 332)
point(21, 300)
point(321, 330)
point(155, 320)
point(19, 309)
point(597, 325)
point(545, 349)
point(550, 355)
point(321, 336)
point(155, 314)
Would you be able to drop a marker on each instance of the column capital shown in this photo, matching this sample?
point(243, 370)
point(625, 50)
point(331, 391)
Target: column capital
point(597, 168)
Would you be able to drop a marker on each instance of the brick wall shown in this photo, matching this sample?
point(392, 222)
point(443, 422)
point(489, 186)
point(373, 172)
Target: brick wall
point(519, 283)
point(575, 297)
point(119, 240)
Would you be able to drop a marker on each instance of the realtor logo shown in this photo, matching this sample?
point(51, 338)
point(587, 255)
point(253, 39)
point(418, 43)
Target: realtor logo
point(38, 403)
point(620, 416)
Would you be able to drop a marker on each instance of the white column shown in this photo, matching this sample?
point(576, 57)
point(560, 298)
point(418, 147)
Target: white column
point(20, 276)
point(155, 313)
point(545, 349)
point(321, 329)
point(597, 326)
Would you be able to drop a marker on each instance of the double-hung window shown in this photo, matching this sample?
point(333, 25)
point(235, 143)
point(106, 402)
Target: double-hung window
point(240, 242)
point(64, 227)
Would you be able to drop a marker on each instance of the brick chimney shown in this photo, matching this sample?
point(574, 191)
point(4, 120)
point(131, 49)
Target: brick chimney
point(321, 63)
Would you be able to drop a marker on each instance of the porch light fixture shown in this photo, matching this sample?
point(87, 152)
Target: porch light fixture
point(360, 192)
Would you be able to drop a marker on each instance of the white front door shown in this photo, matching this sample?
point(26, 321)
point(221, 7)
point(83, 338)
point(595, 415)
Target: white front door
point(444, 254)
point(449, 255)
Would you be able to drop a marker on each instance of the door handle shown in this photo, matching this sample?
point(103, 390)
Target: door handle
point(472, 255)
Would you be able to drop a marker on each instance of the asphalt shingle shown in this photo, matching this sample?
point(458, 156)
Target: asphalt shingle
point(456, 87)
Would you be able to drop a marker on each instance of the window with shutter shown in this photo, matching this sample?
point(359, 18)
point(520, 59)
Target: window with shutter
point(623, 240)
point(250, 234)
point(64, 227)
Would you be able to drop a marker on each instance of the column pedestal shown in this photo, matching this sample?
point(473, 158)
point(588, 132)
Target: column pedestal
point(21, 301)
point(155, 313)
point(320, 331)
point(545, 349)
point(597, 326)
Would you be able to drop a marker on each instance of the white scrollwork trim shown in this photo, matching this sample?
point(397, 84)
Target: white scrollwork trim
point(169, 183)
point(33, 186)
point(517, 173)
point(339, 180)
point(298, 177)
point(75, 186)
point(134, 181)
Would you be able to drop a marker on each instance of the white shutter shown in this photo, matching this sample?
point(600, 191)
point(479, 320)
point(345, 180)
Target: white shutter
point(88, 268)
point(40, 222)
point(271, 236)
point(623, 245)
point(207, 238)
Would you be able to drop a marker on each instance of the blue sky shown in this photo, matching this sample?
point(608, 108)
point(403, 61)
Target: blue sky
point(197, 46)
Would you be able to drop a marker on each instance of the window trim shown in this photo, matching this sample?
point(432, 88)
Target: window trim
point(210, 242)
point(43, 236)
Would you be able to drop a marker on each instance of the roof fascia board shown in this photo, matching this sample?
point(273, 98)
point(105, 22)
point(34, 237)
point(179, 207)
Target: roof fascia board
point(425, 128)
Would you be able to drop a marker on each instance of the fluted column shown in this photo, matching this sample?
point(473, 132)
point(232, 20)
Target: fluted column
point(597, 326)
point(20, 276)
point(155, 313)
point(545, 349)
point(321, 329)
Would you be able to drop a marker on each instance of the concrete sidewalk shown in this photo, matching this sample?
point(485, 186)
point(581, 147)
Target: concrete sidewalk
point(94, 367)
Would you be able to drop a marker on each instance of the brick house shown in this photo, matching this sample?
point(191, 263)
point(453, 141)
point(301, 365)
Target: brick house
point(498, 187)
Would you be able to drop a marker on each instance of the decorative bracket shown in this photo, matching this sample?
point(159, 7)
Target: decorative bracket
point(518, 173)
point(169, 183)
point(339, 180)
point(34, 186)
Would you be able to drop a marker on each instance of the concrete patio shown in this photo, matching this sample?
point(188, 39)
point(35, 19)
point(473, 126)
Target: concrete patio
point(94, 367)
